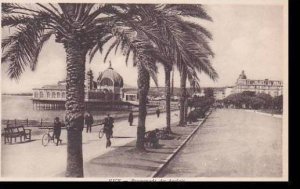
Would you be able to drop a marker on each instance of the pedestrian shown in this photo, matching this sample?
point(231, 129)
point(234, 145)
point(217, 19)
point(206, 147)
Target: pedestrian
point(108, 129)
point(130, 118)
point(89, 120)
point(157, 112)
point(57, 130)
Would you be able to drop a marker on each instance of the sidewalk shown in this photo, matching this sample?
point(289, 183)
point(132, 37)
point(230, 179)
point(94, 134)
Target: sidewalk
point(31, 160)
point(126, 161)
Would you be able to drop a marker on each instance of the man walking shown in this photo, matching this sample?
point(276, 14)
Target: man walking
point(157, 112)
point(57, 130)
point(108, 129)
point(89, 120)
point(130, 118)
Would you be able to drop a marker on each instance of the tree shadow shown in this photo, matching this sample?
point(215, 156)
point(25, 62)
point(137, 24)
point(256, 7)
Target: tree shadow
point(153, 161)
point(19, 142)
point(124, 165)
point(158, 152)
point(123, 137)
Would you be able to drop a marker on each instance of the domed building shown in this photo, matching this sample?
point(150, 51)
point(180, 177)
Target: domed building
point(107, 87)
point(103, 93)
point(110, 81)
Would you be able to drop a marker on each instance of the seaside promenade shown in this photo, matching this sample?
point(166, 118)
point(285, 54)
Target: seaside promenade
point(31, 159)
point(227, 143)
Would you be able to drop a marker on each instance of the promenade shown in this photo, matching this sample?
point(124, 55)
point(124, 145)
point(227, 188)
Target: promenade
point(228, 143)
point(31, 159)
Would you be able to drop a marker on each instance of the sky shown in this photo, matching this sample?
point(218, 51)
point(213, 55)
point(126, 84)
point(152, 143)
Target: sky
point(245, 37)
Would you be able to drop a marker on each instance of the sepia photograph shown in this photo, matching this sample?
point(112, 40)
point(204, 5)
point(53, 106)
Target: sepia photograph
point(144, 90)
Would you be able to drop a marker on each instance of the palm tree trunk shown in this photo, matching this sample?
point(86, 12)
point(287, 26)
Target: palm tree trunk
point(183, 77)
point(75, 108)
point(168, 97)
point(185, 110)
point(143, 85)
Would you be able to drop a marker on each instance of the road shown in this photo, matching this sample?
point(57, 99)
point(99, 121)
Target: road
point(31, 159)
point(231, 143)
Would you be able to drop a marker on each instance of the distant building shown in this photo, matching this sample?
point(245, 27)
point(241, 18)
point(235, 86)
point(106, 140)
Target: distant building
point(222, 92)
point(271, 87)
point(130, 96)
point(219, 93)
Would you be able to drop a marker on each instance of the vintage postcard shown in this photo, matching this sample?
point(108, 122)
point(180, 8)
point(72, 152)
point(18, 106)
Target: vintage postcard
point(144, 90)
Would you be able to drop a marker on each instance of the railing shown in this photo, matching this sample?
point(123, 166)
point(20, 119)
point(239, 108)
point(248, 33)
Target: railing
point(27, 123)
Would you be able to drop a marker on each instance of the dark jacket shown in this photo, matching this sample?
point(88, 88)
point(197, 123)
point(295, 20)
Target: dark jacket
point(88, 119)
point(57, 128)
point(157, 111)
point(108, 123)
point(130, 117)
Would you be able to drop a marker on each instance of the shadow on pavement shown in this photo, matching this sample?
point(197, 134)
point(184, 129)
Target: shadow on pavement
point(123, 165)
point(123, 137)
point(23, 142)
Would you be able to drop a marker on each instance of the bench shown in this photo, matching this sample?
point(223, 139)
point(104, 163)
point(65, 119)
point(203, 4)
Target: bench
point(163, 134)
point(14, 132)
point(151, 139)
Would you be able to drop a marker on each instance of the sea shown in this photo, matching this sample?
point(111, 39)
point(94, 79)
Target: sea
point(21, 108)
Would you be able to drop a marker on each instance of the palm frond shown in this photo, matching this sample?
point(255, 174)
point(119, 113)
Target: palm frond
point(188, 10)
point(141, 47)
point(110, 48)
point(99, 46)
point(23, 49)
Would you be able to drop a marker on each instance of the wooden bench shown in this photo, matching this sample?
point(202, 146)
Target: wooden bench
point(163, 133)
point(14, 132)
point(151, 139)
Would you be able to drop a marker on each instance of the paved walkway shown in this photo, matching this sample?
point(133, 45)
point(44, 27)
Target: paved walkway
point(125, 161)
point(231, 143)
point(31, 159)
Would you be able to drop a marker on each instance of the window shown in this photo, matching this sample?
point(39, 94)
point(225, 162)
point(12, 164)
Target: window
point(53, 95)
point(107, 82)
point(63, 95)
point(58, 94)
point(36, 94)
point(48, 94)
point(41, 94)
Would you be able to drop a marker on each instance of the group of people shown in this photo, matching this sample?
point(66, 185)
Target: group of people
point(89, 120)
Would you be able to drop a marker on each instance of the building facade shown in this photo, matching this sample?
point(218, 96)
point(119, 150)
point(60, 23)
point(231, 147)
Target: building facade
point(271, 87)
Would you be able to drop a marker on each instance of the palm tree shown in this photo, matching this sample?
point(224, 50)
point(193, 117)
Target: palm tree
point(79, 28)
point(131, 41)
point(187, 46)
point(163, 26)
point(165, 35)
point(194, 50)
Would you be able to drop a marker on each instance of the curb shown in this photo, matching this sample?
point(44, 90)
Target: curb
point(171, 156)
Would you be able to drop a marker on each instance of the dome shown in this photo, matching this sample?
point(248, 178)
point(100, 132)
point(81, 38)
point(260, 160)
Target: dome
point(110, 77)
point(243, 75)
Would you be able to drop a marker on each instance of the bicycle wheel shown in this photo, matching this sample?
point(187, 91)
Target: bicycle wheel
point(101, 133)
point(45, 140)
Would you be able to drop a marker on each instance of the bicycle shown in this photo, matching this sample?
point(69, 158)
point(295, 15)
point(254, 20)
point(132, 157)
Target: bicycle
point(102, 132)
point(47, 137)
